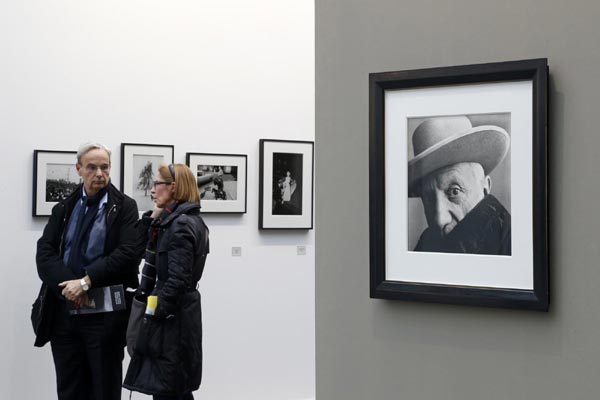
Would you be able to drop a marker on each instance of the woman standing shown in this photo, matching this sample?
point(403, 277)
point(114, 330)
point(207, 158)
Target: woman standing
point(286, 192)
point(167, 359)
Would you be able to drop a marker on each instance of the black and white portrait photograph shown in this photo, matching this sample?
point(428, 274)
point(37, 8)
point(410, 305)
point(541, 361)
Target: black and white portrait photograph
point(61, 181)
point(457, 173)
point(221, 181)
point(139, 166)
point(54, 179)
point(459, 184)
point(286, 184)
point(144, 174)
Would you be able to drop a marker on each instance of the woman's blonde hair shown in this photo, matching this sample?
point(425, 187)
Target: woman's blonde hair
point(186, 186)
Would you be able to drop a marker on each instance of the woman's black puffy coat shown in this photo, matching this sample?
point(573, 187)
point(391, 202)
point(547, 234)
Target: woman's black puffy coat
point(171, 362)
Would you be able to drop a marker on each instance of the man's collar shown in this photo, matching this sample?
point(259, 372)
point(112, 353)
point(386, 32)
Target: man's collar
point(487, 216)
point(474, 223)
point(102, 201)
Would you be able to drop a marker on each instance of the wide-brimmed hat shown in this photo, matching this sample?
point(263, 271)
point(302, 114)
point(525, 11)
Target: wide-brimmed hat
point(442, 141)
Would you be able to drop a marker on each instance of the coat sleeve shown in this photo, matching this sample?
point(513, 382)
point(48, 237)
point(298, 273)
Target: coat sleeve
point(147, 250)
point(112, 267)
point(50, 265)
point(180, 253)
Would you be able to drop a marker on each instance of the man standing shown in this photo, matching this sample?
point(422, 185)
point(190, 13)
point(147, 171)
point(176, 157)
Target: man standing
point(450, 173)
point(90, 241)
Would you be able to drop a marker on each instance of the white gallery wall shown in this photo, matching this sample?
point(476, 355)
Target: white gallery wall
point(205, 76)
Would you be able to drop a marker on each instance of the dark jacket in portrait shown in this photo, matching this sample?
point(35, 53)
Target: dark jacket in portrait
point(118, 265)
point(169, 361)
point(486, 229)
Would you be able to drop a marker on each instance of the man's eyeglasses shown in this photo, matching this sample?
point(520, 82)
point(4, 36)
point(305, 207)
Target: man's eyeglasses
point(93, 168)
point(156, 183)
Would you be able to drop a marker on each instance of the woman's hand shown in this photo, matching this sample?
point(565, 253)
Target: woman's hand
point(156, 212)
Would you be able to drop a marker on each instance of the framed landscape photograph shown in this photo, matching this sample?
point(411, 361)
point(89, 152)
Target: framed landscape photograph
point(457, 182)
point(139, 166)
point(54, 179)
point(221, 181)
point(285, 184)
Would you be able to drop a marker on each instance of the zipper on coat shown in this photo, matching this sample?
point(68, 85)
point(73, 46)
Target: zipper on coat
point(108, 214)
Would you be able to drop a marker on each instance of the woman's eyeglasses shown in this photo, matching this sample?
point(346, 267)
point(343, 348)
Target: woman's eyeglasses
point(156, 183)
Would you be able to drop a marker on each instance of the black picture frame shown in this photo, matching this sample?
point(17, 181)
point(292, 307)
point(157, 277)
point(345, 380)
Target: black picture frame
point(226, 190)
point(133, 154)
point(393, 96)
point(286, 182)
point(54, 178)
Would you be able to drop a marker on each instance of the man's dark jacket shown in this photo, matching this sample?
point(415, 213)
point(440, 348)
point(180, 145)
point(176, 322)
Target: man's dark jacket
point(118, 265)
point(484, 230)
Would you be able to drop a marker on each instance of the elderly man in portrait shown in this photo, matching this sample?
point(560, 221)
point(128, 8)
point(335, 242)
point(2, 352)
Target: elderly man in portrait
point(450, 173)
point(90, 241)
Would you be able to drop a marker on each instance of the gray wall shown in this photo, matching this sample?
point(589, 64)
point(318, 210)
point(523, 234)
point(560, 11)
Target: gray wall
point(378, 349)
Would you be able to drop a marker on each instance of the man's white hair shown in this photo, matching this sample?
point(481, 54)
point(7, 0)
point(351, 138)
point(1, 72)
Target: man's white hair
point(84, 148)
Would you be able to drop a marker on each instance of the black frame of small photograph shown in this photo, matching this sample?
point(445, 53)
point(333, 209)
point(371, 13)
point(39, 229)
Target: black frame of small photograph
point(128, 151)
point(40, 206)
point(295, 212)
point(429, 86)
point(237, 206)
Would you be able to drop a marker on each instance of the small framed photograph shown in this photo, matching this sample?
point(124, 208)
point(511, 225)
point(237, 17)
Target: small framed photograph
point(139, 165)
point(286, 184)
point(457, 160)
point(54, 179)
point(221, 181)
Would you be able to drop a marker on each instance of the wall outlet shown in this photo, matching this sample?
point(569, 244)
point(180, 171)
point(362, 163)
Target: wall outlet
point(301, 250)
point(236, 251)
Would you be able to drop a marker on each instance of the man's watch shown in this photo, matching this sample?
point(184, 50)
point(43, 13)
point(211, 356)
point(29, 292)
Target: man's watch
point(84, 285)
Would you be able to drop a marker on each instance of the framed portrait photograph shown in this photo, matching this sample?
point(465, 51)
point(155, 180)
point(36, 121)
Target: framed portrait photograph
point(457, 181)
point(139, 166)
point(54, 179)
point(221, 181)
point(285, 184)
